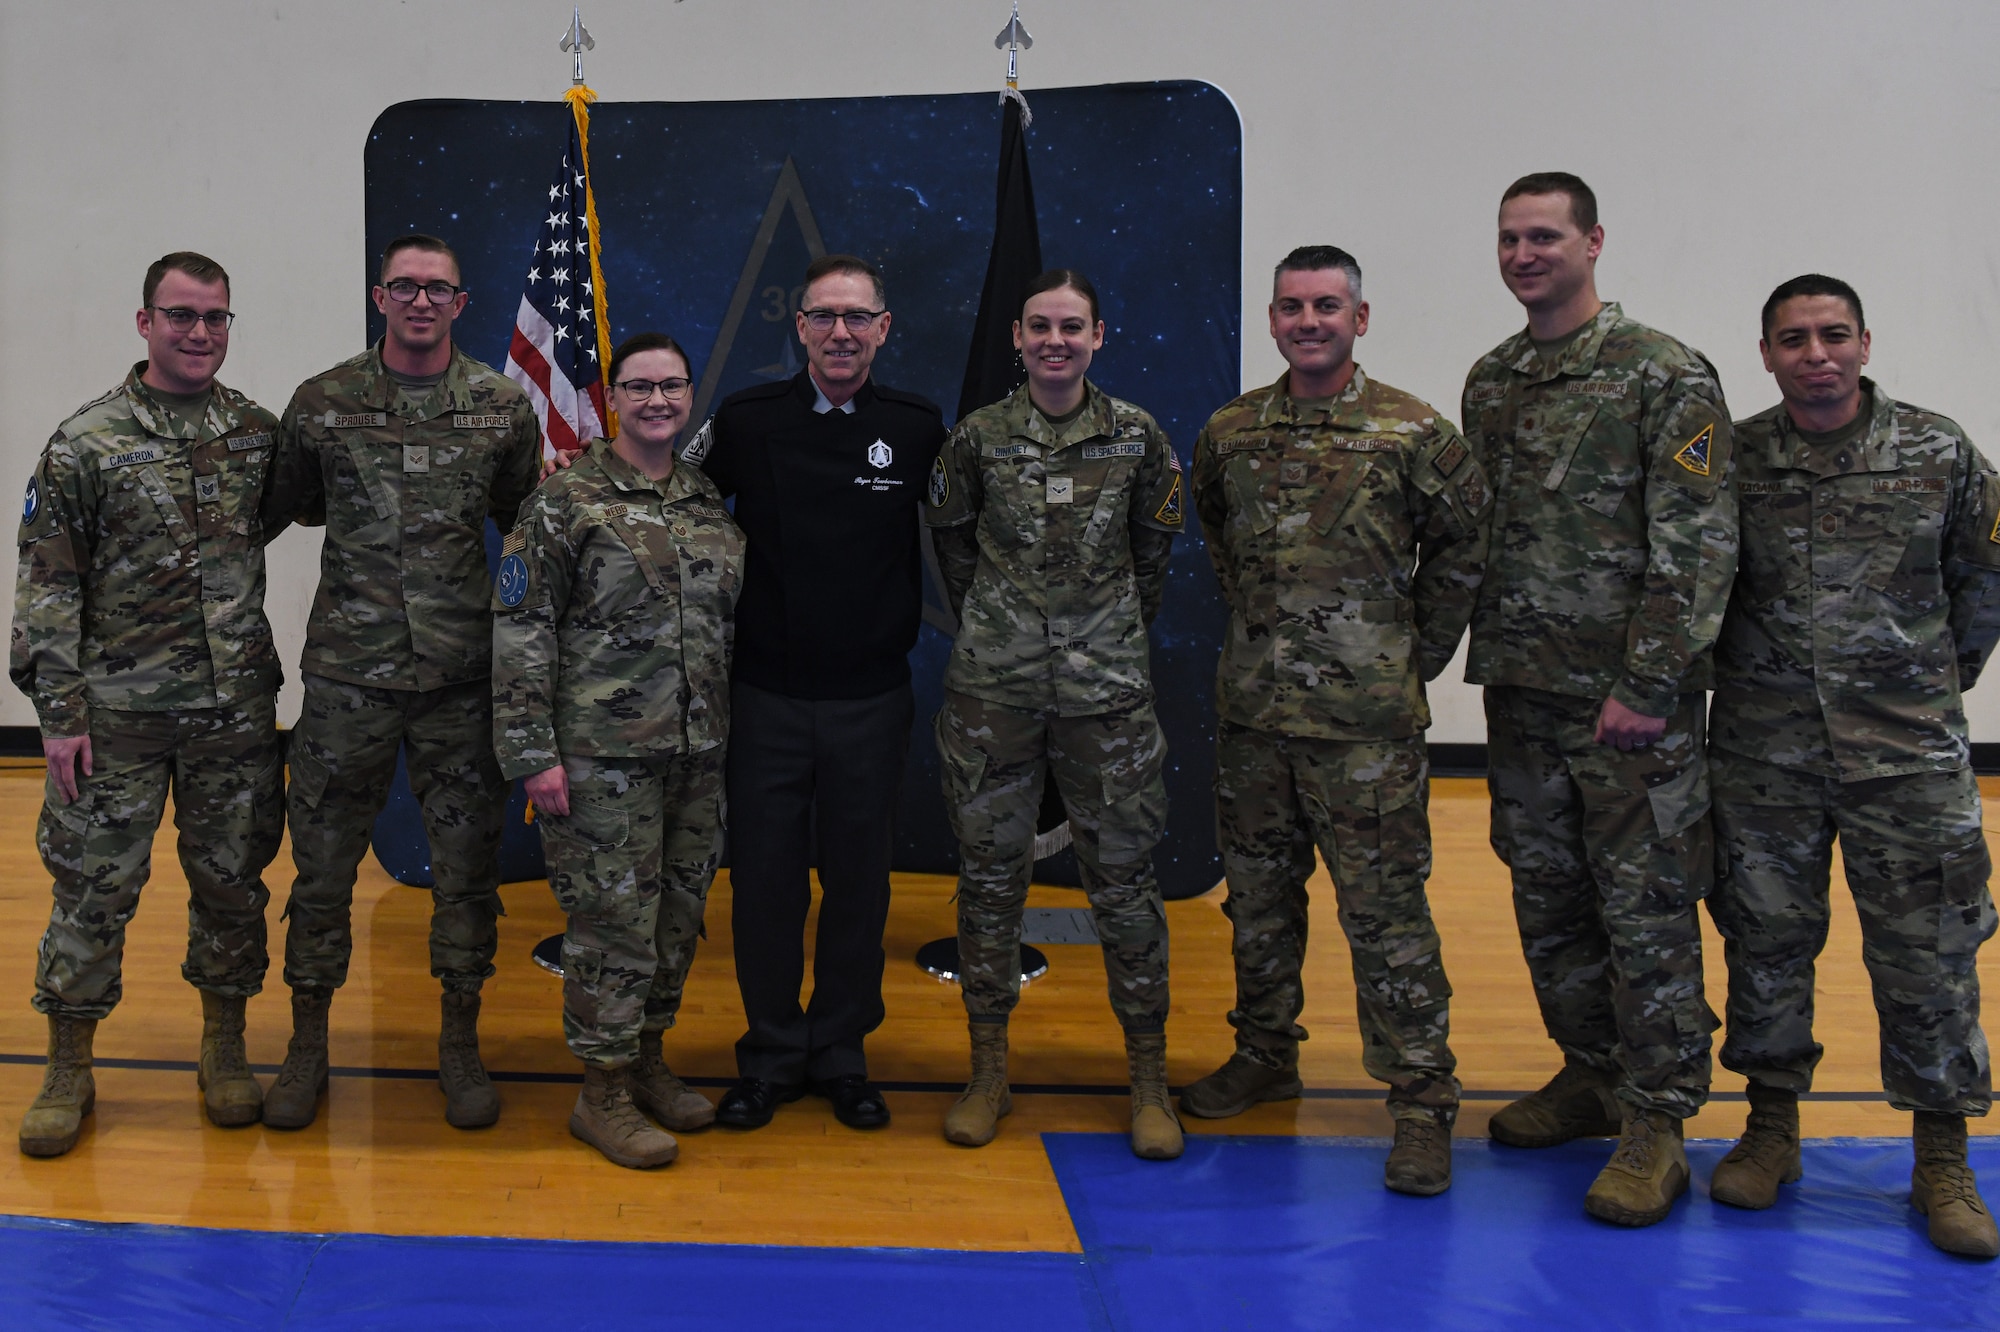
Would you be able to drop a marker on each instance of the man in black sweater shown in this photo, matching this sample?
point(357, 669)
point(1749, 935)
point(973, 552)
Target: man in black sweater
point(827, 470)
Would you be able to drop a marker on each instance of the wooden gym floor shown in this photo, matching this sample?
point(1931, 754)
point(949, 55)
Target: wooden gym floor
point(381, 1158)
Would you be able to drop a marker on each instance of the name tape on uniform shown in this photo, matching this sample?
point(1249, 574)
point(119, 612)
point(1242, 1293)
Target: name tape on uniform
point(353, 420)
point(1486, 393)
point(147, 453)
point(481, 421)
point(1014, 451)
point(1095, 451)
point(1766, 487)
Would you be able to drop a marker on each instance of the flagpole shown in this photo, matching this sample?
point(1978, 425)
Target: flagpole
point(576, 41)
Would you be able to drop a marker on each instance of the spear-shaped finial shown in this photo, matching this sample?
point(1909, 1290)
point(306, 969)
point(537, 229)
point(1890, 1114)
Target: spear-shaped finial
point(576, 41)
point(1014, 39)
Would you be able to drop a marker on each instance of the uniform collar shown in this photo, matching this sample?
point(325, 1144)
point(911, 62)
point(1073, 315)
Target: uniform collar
point(1875, 451)
point(379, 389)
point(1348, 408)
point(808, 391)
point(1578, 358)
point(1024, 420)
point(155, 419)
point(677, 485)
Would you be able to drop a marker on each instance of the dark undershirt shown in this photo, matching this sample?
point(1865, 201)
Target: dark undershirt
point(1841, 436)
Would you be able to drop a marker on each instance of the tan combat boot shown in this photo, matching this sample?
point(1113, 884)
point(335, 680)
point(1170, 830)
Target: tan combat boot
point(665, 1097)
point(294, 1099)
point(1156, 1133)
point(68, 1089)
point(1942, 1187)
point(1240, 1083)
point(229, 1093)
point(1767, 1154)
point(1420, 1161)
point(1576, 1103)
point(1637, 1187)
point(470, 1100)
point(606, 1118)
point(975, 1118)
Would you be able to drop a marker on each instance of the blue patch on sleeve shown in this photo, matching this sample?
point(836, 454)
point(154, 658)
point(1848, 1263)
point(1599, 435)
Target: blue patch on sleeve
point(512, 582)
point(32, 505)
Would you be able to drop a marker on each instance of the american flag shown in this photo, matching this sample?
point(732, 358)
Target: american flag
point(557, 333)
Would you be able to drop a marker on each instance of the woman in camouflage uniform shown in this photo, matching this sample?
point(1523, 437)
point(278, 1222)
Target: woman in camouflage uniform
point(1053, 513)
point(615, 613)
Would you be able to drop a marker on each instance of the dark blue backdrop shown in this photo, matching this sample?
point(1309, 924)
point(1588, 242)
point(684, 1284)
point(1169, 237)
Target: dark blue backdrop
point(1136, 184)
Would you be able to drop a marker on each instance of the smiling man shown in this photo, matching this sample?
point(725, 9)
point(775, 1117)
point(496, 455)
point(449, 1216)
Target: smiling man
point(827, 469)
point(1347, 521)
point(1869, 599)
point(1614, 544)
point(139, 634)
point(402, 452)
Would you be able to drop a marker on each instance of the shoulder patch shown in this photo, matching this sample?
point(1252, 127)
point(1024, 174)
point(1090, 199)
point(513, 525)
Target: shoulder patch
point(31, 506)
point(514, 542)
point(1170, 507)
point(511, 583)
point(1994, 535)
point(1693, 455)
point(696, 451)
point(940, 483)
point(1449, 460)
point(1173, 457)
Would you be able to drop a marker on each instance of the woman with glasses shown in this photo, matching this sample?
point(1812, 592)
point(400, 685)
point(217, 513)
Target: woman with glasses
point(1053, 513)
point(615, 609)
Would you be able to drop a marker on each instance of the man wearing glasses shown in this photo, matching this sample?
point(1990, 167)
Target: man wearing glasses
point(827, 470)
point(402, 453)
point(139, 634)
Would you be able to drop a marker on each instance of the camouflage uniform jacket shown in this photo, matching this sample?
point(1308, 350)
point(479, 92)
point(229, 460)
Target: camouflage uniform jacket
point(1349, 541)
point(615, 613)
point(1053, 543)
point(1869, 596)
point(141, 584)
point(1614, 533)
point(403, 590)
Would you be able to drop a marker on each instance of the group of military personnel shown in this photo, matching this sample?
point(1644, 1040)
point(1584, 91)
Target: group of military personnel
point(1618, 549)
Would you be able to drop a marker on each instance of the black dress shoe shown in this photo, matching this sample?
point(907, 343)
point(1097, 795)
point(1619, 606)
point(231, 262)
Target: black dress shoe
point(752, 1101)
point(856, 1103)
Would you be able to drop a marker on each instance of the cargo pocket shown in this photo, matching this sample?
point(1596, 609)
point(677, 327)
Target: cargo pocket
point(1684, 864)
point(1965, 906)
point(584, 852)
point(961, 768)
point(309, 773)
point(1135, 800)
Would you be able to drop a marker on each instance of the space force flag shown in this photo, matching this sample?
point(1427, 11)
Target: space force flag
point(561, 347)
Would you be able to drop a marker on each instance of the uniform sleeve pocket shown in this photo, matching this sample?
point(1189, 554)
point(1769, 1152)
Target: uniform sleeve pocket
point(1965, 905)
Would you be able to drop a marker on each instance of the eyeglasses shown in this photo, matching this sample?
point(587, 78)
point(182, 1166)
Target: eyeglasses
point(181, 319)
point(405, 290)
point(857, 321)
point(641, 390)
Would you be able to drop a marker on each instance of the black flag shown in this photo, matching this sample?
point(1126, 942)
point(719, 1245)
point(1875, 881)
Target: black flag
point(993, 368)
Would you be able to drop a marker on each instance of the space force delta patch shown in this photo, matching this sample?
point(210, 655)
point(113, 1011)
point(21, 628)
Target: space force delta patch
point(940, 483)
point(1694, 453)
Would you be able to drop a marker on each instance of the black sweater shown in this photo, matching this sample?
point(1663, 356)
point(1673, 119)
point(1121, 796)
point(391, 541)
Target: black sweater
point(833, 587)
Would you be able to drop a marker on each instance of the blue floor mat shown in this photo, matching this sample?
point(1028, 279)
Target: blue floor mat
point(72, 1276)
point(1241, 1233)
point(1270, 1232)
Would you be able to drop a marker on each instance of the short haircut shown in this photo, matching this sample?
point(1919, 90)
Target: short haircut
point(1055, 279)
point(1812, 284)
point(829, 264)
point(1582, 199)
point(417, 240)
point(645, 342)
point(197, 266)
point(1317, 259)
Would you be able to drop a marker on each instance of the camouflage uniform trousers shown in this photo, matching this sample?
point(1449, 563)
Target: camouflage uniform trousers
point(225, 769)
point(631, 863)
point(343, 761)
point(1364, 805)
point(1109, 769)
point(1610, 852)
point(1917, 864)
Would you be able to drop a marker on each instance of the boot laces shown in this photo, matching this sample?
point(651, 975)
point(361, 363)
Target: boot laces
point(1765, 1135)
point(227, 1060)
point(64, 1072)
point(460, 1061)
point(620, 1111)
point(1951, 1176)
point(1637, 1146)
point(1149, 1076)
point(1421, 1135)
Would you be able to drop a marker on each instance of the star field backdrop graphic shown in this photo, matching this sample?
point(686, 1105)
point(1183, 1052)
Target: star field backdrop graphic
point(709, 212)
